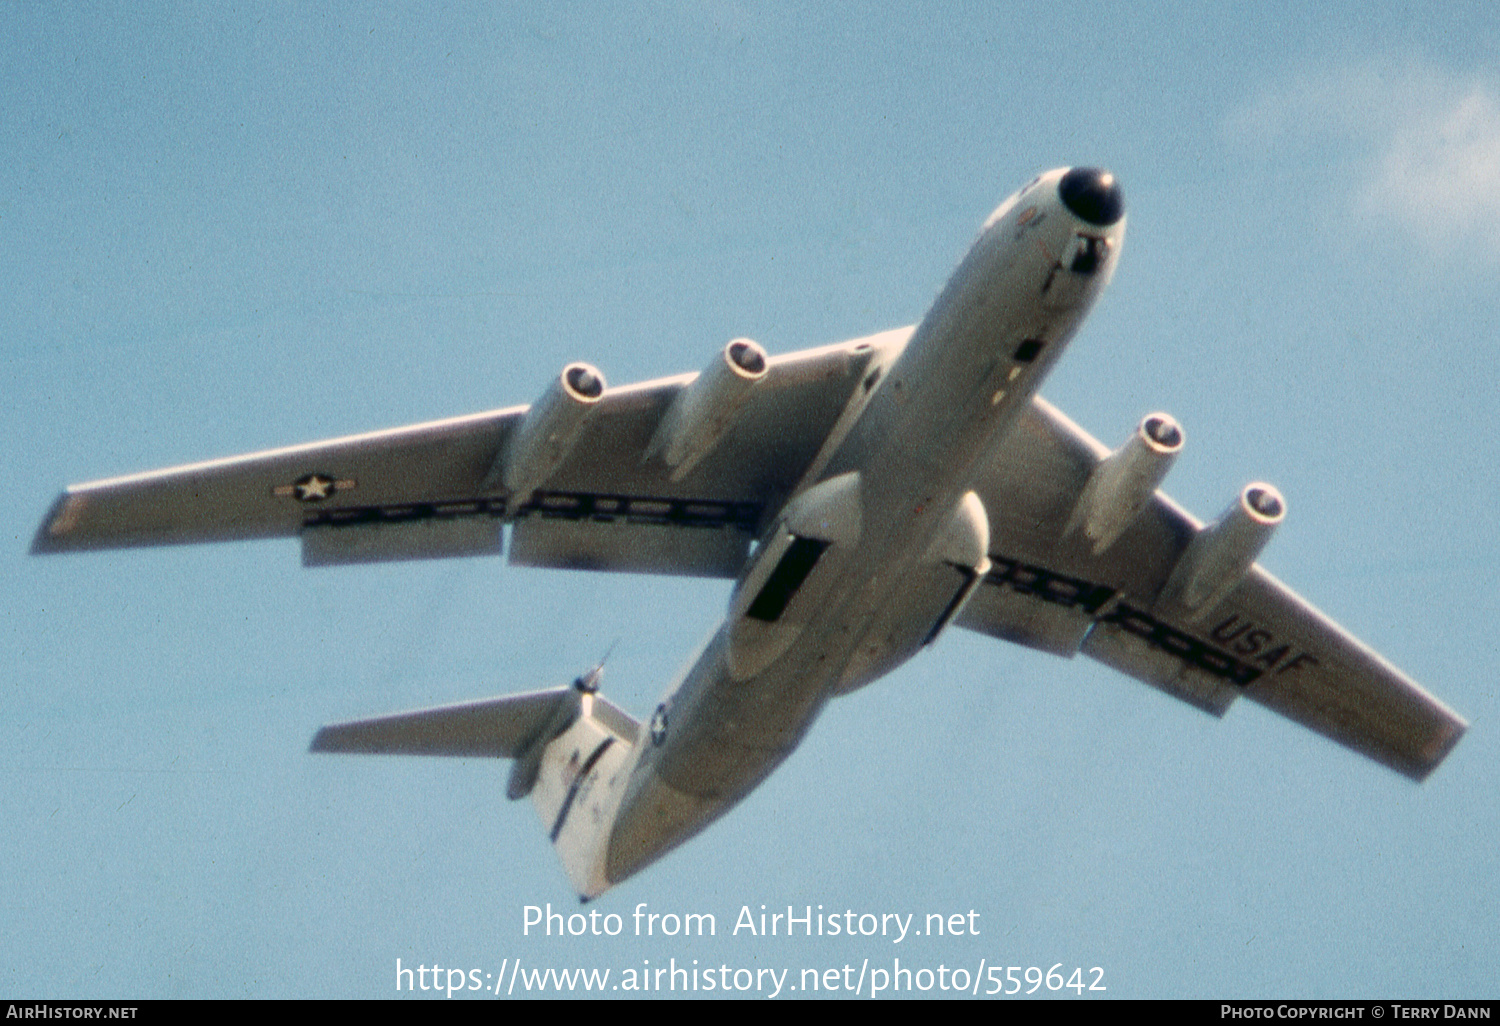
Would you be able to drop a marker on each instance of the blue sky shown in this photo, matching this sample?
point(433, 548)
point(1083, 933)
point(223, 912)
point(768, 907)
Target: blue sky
point(230, 229)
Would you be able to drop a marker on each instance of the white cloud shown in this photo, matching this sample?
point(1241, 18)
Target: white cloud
point(1426, 146)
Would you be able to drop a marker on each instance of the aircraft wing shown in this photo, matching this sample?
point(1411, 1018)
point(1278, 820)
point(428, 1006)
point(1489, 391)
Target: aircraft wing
point(1259, 639)
point(424, 491)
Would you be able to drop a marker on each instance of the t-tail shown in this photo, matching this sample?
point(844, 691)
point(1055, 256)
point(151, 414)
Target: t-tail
point(573, 749)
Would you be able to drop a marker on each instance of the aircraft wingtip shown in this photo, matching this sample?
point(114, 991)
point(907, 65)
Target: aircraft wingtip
point(1447, 741)
point(62, 517)
point(1438, 748)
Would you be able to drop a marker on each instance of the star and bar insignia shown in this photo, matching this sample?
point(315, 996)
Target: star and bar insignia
point(313, 487)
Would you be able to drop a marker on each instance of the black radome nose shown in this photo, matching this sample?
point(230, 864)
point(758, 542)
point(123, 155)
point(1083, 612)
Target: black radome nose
point(1092, 194)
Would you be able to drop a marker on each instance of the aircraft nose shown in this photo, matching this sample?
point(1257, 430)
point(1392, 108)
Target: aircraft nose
point(1093, 195)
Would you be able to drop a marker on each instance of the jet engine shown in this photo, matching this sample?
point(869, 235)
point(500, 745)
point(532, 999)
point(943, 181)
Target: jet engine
point(705, 409)
point(548, 432)
point(1124, 481)
point(1220, 554)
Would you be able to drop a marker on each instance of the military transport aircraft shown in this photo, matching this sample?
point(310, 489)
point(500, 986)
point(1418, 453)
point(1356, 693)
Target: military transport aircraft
point(863, 497)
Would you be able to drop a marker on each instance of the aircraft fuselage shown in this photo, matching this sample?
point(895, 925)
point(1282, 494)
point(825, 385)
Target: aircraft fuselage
point(882, 542)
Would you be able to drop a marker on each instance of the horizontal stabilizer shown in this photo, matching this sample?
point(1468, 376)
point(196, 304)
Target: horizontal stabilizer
point(493, 727)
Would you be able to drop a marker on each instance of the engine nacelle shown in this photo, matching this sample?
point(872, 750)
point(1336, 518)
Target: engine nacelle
point(548, 432)
point(1124, 482)
point(1220, 554)
point(707, 408)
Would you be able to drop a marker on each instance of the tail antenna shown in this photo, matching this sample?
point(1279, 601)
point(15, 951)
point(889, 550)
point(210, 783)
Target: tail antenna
point(589, 682)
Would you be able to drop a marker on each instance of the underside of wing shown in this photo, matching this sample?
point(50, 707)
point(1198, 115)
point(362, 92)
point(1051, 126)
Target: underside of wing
point(1134, 603)
point(419, 469)
point(611, 500)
